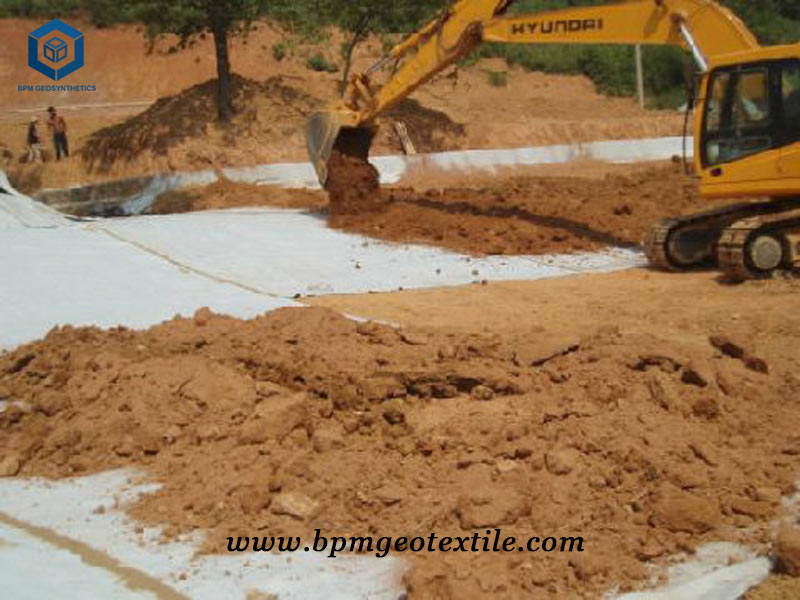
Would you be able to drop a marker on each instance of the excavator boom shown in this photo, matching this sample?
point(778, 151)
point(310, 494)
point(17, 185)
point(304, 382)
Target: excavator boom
point(349, 125)
point(702, 26)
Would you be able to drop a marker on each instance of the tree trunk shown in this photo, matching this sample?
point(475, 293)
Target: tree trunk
point(360, 30)
point(224, 88)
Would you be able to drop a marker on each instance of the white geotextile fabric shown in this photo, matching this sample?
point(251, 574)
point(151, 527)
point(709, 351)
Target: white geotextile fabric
point(719, 571)
point(140, 271)
point(68, 508)
point(56, 271)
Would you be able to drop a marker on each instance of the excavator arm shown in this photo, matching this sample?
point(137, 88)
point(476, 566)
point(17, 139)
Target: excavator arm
point(702, 26)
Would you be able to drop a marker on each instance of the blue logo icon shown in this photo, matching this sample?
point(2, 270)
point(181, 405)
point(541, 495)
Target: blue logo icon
point(55, 49)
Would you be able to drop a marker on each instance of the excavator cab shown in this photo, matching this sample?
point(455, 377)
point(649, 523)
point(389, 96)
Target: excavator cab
point(751, 109)
point(747, 146)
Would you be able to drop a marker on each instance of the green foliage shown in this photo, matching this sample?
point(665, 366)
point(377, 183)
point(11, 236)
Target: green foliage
point(317, 35)
point(317, 62)
point(43, 9)
point(498, 78)
point(279, 51)
point(344, 50)
point(397, 16)
point(188, 18)
point(102, 12)
point(610, 67)
point(773, 21)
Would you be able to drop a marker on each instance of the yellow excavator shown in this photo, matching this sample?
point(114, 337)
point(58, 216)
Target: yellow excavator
point(746, 124)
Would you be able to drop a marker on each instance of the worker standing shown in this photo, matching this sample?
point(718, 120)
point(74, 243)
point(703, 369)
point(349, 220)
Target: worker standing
point(58, 127)
point(34, 141)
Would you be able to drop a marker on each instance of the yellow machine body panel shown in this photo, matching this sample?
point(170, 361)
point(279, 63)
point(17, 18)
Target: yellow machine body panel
point(747, 124)
point(745, 148)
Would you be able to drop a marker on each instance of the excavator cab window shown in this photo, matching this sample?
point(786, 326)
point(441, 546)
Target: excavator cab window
point(790, 94)
point(739, 120)
point(750, 109)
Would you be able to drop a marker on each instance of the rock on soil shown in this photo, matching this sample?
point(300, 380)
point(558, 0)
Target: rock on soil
point(686, 513)
point(787, 551)
point(9, 465)
point(294, 505)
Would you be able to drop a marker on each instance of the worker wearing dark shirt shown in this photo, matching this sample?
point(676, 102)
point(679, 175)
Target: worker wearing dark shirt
point(34, 142)
point(58, 127)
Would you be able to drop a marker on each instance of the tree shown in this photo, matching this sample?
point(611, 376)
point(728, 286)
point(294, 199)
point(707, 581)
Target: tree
point(356, 18)
point(190, 19)
point(361, 17)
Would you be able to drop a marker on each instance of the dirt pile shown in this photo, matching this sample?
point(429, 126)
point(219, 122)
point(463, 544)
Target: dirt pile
point(229, 194)
point(430, 130)
point(504, 214)
point(183, 129)
point(532, 215)
point(353, 186)
point(302, 419)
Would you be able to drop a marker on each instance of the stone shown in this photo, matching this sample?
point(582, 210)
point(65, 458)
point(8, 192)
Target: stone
point(588, 565)
point(10, 465)
point(294, 504)
point(267, 389)
point(172, 434)
point(787, 551)
point(704, 452)
point(751, 508)
point(480, 509)
point(414, 338)
point(277, 418)
point(328, 438)
point(768, 494)
point(686, 513)
point(598, 482)
point(390, 493)
point(687, 476)
point(206, 432)
point(202, 316)
point(394, 415)
point(125, 448)
point(482, 392)
point(562, 461)
point(255, 499)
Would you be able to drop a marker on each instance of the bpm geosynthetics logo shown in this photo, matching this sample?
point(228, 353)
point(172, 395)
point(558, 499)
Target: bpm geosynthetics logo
point(55, 49)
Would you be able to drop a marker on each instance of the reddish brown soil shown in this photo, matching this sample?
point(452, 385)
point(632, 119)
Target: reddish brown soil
point(458, 109)
point(353, 187)
point(523, 215)
point(228, 194)
point(643, 443)
point(504, 214)
point(777, 587)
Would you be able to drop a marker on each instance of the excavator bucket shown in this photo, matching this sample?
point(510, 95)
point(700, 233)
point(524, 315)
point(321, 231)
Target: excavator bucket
point(340, 130)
